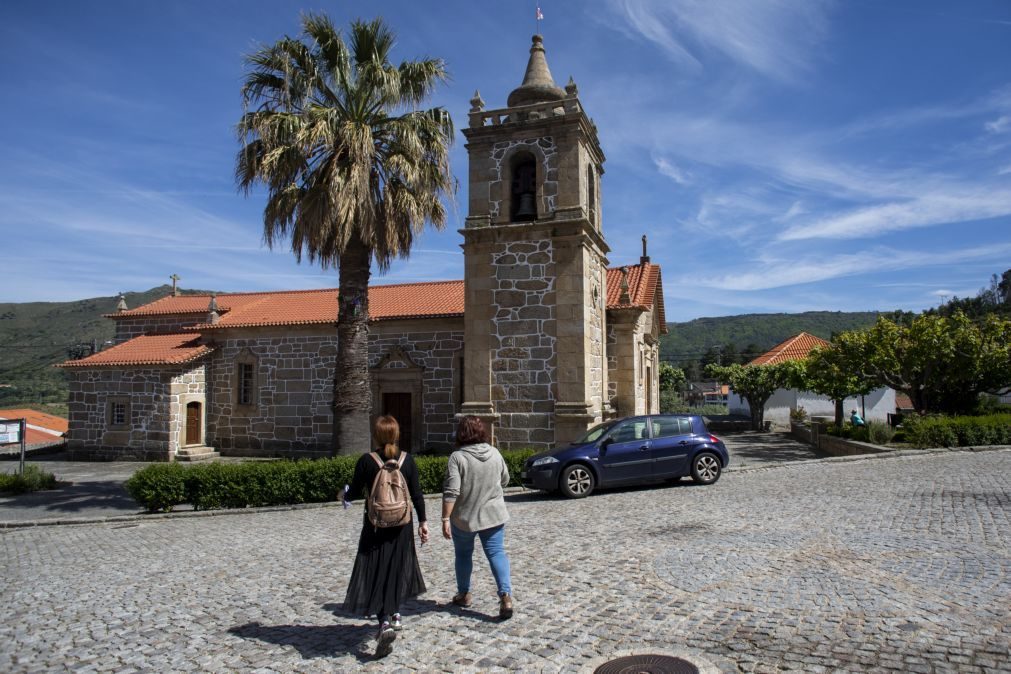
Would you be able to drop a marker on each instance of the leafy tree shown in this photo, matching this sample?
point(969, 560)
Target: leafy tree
point(712, 356)
point(671, 378)
point(353, 170)
point(755, 383)
point(941, 363)
point(729, 354)
point(828, 371)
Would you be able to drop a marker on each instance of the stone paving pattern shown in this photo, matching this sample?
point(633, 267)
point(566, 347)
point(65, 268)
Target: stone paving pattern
point(899, 563)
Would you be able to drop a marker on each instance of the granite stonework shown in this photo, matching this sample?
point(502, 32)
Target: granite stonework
point(128, 328)
point(154, 400)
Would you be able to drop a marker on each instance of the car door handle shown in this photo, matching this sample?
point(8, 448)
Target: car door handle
point(683, 443)
point(643, 447)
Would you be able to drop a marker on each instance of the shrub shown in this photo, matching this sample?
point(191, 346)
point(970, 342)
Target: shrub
point(158, 487)
point(161, 487)
point(879, 433)
point(33, 479)
point(961, 431)
point(798, 415)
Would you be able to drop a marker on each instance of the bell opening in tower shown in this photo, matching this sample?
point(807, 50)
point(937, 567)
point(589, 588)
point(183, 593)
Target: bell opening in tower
point(523, 194)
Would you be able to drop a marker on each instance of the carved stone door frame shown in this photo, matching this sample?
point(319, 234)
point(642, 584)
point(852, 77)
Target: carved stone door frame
point(396, 372)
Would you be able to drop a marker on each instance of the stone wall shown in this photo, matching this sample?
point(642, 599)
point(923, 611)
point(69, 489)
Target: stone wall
point(128, 328)
point(293, 390)
point(522, 352)
point(147, 435)
point(292, 414)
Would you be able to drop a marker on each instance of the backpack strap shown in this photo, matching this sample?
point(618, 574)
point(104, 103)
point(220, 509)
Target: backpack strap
point(375, 457)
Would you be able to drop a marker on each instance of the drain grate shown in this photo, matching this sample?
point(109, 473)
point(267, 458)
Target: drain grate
point(647, 664)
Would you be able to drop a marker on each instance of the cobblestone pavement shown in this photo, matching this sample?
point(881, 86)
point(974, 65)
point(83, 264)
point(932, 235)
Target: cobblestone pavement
point(882, 564)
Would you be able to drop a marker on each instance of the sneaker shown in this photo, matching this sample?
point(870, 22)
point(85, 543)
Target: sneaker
point(462, 599)
point(384, 640)
point(505, 606)
point(396, 622)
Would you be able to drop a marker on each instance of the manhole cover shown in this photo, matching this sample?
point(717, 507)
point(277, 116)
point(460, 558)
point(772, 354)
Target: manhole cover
point(647, 664)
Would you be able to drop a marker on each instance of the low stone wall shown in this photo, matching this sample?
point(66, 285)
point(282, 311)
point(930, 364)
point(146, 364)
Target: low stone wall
point(816, 435)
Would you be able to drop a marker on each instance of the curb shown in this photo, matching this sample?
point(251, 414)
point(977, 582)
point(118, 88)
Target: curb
point(145, 517)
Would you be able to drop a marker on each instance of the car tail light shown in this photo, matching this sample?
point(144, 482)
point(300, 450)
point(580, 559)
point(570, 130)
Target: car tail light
point(713, 439)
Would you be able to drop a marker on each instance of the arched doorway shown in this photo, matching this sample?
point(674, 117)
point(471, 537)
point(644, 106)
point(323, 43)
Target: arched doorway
point(194, 424)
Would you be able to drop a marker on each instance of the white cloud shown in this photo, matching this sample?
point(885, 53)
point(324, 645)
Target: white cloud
point(999, 125)
point(774, 37)
point(672, 171)
point(924, 211)
point(779, 272)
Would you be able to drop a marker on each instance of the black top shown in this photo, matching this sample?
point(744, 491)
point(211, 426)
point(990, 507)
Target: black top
point(365, 474)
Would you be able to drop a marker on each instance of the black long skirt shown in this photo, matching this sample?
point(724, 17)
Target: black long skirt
point(386, 571)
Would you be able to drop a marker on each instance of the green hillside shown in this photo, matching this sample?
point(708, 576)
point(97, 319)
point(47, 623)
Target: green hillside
point(691, 340)
point(34, 336)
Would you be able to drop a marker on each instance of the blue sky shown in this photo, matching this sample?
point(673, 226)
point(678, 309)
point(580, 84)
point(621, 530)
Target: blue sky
point(781, 155)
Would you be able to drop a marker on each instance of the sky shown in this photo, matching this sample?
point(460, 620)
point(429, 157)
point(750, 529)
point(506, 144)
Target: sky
point(780, 155)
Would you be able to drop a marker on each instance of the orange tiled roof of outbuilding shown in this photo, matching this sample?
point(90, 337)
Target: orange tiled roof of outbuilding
point(795, 348)
point(166, 349)
point(36, 418)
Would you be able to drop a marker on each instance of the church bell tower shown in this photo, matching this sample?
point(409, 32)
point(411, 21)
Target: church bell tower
point(535, 365)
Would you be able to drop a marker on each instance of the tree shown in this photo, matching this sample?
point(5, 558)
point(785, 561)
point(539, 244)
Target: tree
point(941, 363)
point(353, 171)
point(755, 383)
point(829, 372)
point(671, 378)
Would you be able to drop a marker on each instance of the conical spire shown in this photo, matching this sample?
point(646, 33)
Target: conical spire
point(538, 85)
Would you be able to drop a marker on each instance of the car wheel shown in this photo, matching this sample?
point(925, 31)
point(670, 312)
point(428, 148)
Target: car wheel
point(576, 481)
point(706, 468)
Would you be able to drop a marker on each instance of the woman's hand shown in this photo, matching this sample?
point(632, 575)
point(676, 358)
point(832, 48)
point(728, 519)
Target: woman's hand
point(423, 532)
point(446, 533)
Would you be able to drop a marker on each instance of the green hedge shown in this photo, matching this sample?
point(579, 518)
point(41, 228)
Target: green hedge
point(993, 429)
point(161, 487)
point(33, 479)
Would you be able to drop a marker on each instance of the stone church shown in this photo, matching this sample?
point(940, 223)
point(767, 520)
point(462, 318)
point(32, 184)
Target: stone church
point(541, 338)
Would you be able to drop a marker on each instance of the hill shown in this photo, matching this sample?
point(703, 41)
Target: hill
point(691, 340)
point(34, 336)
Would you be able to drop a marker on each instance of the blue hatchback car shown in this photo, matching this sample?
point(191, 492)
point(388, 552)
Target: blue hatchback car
point(633, 450)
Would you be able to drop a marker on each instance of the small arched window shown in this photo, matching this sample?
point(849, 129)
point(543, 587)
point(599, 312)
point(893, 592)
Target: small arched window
point(523, 188)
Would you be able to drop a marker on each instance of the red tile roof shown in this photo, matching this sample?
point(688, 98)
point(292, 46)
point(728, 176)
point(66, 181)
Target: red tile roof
point(168, 349)
point(643, 281)
point(795, 348)
point(437, 299)
point(52, 423)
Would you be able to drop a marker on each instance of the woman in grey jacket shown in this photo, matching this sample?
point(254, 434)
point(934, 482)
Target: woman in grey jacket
point(473, 504)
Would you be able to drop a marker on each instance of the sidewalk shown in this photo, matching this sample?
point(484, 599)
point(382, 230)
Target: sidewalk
point(95, 492)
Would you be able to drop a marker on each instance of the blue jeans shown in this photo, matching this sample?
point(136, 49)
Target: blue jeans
point(493, 542)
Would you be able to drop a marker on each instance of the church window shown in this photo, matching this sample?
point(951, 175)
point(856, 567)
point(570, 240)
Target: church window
point(119, 412)
point(245, 383)
point(523, 188)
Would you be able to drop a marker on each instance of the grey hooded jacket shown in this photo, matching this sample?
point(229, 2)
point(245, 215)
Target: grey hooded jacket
point(474, 480)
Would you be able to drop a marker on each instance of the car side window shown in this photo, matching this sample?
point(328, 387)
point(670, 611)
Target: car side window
point(628, 431)
point(665, 428)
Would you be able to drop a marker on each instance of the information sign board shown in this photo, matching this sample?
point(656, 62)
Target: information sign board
point(9, 432)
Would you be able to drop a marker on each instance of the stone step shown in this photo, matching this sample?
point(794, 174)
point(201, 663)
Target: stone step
point(197, 454)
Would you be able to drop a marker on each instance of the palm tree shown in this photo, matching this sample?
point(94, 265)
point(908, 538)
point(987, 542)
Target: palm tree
point(353, 170)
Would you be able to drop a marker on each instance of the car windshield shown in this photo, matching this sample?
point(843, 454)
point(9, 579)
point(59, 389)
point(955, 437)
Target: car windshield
point(594, 433)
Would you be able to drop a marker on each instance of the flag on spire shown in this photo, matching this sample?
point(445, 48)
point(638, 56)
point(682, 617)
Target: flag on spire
point(540, 16)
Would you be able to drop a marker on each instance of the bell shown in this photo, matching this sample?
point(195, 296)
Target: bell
point(526, 209)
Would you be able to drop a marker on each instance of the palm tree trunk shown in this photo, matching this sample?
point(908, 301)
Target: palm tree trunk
point(352, 388)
